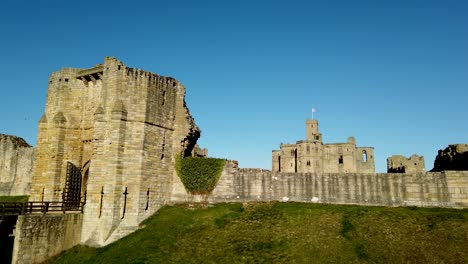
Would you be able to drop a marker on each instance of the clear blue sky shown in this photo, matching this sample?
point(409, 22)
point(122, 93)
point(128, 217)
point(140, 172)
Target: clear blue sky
point(394, 74)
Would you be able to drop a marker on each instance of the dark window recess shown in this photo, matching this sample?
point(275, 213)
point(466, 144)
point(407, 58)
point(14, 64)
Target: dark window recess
point(364, 156)
point(66, 79)
point(60, 80)
point(163, 98)
point(118, 67)
point(279, 163)
point(340, 160)
point(317, 137)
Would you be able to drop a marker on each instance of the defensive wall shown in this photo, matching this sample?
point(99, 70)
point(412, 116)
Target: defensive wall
point(41, 236)
point(443, 189)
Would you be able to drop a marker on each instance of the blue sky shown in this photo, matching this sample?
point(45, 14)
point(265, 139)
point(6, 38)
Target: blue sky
point(394, 74)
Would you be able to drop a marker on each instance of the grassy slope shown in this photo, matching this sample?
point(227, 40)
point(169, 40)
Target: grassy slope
point(20, 198)
point(289, 233)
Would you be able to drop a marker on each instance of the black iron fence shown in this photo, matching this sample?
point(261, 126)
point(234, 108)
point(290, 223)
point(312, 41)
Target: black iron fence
point(21, 208)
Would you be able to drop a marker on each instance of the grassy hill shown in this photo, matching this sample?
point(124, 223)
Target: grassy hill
point(288, 233)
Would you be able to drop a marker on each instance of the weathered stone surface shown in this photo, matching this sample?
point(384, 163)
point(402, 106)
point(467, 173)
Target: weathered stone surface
point(122, 127)
point(39, 237)
point(313, 156)
point(16, 163)
point(449, 189)
point(401, 164)
point(454, 157)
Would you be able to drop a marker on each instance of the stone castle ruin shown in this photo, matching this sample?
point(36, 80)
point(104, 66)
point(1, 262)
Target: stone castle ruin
point(312, 155)
point(454, 157)
point(110, 134)
point(106, 131)
point(402, 164)
point(16, 163)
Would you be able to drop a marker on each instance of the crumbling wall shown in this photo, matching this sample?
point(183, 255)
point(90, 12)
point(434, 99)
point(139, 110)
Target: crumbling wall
point(402, 164)
point(454, 157)
point(16, 164)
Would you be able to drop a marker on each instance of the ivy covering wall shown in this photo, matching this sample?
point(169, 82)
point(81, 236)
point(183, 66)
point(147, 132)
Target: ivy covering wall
point(199, 175)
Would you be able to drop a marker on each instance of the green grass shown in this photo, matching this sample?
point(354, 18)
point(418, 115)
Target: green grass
point(20, 198)
point(288, 233)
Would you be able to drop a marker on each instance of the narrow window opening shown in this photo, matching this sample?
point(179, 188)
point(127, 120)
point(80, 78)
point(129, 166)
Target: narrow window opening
point(364, 156)
point(118, 67)
point(340, 160)
point(317, 137)
point(66, 79)
point(279, 163)
point(163, 145)
point(163, 97)
point(60, 80)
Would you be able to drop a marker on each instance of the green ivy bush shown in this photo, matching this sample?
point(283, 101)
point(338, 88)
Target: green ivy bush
point(199, 175)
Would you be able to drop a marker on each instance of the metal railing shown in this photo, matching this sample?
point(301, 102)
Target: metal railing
point(21, 208)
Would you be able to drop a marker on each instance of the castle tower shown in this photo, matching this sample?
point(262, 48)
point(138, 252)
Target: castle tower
point(312, 131)
point(113, 132)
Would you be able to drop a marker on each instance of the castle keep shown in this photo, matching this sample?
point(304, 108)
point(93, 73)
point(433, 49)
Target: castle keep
point(114, 132)
point(312, 155)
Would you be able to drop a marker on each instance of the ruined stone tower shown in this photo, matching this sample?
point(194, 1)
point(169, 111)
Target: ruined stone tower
point(114, 132)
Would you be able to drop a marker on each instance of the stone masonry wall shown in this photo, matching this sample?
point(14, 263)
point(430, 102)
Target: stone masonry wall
point(449, 189)
point(16, 164)
point(121, 127)
point(39, 237)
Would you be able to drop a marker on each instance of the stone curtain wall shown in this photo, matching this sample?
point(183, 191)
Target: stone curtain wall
point(16, 163)
point(39, 237)
point(449, 189)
